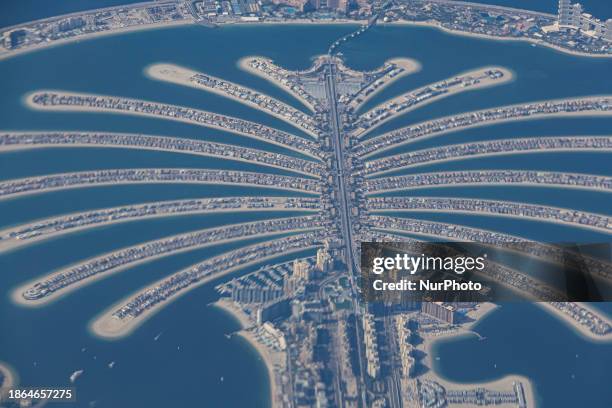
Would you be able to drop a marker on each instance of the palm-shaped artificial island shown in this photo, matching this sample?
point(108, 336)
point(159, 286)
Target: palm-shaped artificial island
point(344, 183)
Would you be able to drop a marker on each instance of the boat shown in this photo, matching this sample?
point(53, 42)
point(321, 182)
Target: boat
point(111, 364)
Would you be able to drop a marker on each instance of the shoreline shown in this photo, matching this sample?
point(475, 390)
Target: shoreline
point(297, 171)
point(575, 326)
point(227, 306)
point(504, 215)
point(10, 244)
point(16, 294)
point(297, 22)
point(181, 76)
point(28, 101)
point(242, 64)
point(410, 65)
point(509, 77)
point(268, 361)
point(436, 25)
point(10, 378)
point(487, 123)
point(106, 327)
point(502, 383)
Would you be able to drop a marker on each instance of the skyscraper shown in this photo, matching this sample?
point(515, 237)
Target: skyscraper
point(565, 12)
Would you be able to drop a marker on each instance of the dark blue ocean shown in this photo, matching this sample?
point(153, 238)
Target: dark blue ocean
point(184, 367)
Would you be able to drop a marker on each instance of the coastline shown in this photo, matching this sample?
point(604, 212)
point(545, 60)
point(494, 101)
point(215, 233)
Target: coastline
point(268, 361)
point(504, 215)
point(181, 75)
point(9, 378)
point(10, 244)
point(234, 311)
point(410, 66)
point(436, 25)
point(503, 383)
point(28, 101)
point(297, 171)
point(575, 326)
point(106, 327)
point(18, 299)
point(91, 36)
point(483, 84)
point(243, 65)
point(296, 22)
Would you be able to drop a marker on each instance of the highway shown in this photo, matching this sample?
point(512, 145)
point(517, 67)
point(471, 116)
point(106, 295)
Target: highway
point(344, 209)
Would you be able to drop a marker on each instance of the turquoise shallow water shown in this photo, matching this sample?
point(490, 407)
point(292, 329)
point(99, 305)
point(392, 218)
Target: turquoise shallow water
point(192, 354)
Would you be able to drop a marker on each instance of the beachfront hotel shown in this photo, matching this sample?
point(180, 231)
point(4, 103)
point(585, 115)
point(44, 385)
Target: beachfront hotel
point(574, 16)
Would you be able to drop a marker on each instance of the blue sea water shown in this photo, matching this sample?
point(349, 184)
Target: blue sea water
point(184, 367)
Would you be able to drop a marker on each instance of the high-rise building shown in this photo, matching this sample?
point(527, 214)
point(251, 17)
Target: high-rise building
point(565, 12)
point(301, 269)
point(325, 262)
point(439, 310)
point(573, 16)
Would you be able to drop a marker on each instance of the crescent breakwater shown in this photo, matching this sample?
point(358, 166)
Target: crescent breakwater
point(29, 140)
point(79, 102)
point(57, 284)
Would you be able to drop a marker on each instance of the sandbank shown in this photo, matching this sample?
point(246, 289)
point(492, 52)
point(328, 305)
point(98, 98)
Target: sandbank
point(506, 215)
point(8, 379)
point(496, 184)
